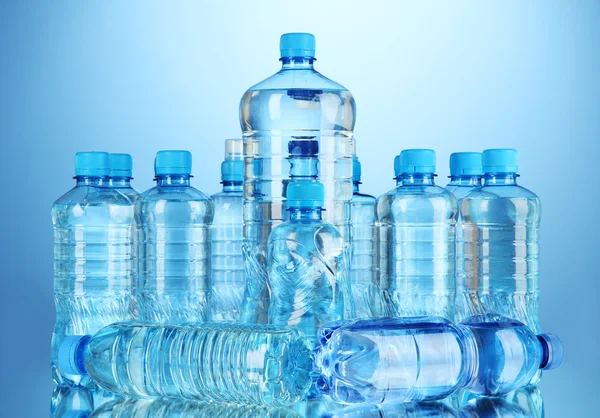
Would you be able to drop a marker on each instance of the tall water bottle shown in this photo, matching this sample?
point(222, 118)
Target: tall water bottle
point(228, 279)
point(364, 274)
point(223, 363)
point(416, 223)
point(501, 222)
point(427, 358)
point(307, 264)
point(93, 252)
point(295, 104)
point(173, 221)
point(121, 175)
point(466, 171)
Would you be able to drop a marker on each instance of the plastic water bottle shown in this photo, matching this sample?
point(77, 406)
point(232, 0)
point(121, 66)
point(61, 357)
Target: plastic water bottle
point(228, 279)
point(416, 223)
point(466, 171)
point(224, 363)
point(121, 175)
point(307, 265)
point(173, 221)
point(427, 358)
point(93, 254)
point(500, 223)
point(364, 274)
point(174, 408)
point(295, 105)
point(397, 410)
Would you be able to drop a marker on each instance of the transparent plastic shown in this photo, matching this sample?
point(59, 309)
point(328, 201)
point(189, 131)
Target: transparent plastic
point(224, 363)
point(462, 185)
point(173, 221)
point(93, 254)
point(500, 243)
point(416, 225)
point(295, 104)
point(397, 410)
point(308, 271)
point(123, 185)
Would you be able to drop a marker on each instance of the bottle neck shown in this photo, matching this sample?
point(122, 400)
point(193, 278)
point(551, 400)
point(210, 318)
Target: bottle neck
point(355, 185)
point(120, 182)
point(415, 179)
point(173, 179)
point(306, 214)
point(465, 180)
point(232, 186)
point(297, 63)
point(500, 179)
point(92, 181)
point(304, 167)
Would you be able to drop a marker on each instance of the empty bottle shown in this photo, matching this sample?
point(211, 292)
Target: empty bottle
point(121, 175)
point(397, 410)
point(224, 363)
point(93, 253)
point(416, 223)
point(466, 171)
point(364, 274)
point(228, 279)
point(307, 265)
point(173, 221)
point(500, 223)
point(296, 104)
point(427, 358)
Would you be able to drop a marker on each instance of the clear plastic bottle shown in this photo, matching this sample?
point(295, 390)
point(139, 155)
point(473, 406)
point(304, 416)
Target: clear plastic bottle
point(364, 273)
point(93, 253)
point(174, 408)
point(173, 221)
point(500, 223)
point(296, 104)
point(307, 265)
point(224, 363)
point(416, 224)
point(428, 358)
point(121, 175)
point(228, 278)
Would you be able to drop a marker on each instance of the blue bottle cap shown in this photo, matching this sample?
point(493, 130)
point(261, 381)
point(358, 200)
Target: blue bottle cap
point(70, 354)
point(553, 351)
point(92, 164)
point(297, 45)
point(501, 160)
point(120, 165)
point(232, 170)
point(415, 161)
point(173, 162)
point(305, 194)
point(356, 170)
point(466, 163)
point(303, 148)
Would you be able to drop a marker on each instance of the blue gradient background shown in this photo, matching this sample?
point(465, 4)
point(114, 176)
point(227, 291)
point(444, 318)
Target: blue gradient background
point(142, 76)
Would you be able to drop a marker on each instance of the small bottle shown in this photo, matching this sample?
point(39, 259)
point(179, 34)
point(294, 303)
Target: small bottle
point(224, 363)
point(364, 274)
point(228, 278)
point(416, 224)
point(307, 260)
point(93, 255)
point(427, 358)
point(121, 176)
point(466, 171)
point(173, 221)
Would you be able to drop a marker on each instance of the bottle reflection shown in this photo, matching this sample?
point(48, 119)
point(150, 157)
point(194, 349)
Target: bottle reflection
point(526, 402)
point(77, 401)
point(397, 410)
point(168, 408)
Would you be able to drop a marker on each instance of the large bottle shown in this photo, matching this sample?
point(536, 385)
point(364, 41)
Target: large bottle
point(224, 363)
point(370, 360)
point(501, 222)
point(228, 279)
point(307, 264)
point(295, 104)
point(173, 221)
point(428, 358)
point(93, 242)
point(364, 273)
point(416, 224)
point(121, 175)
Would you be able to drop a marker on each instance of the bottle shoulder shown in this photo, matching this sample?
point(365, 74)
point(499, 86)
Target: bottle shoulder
point(93, 195)
point(174, 193)
point(363, 198)
point(502, 192)
point(417, 204)
point(296, 79)
point(295, 229)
